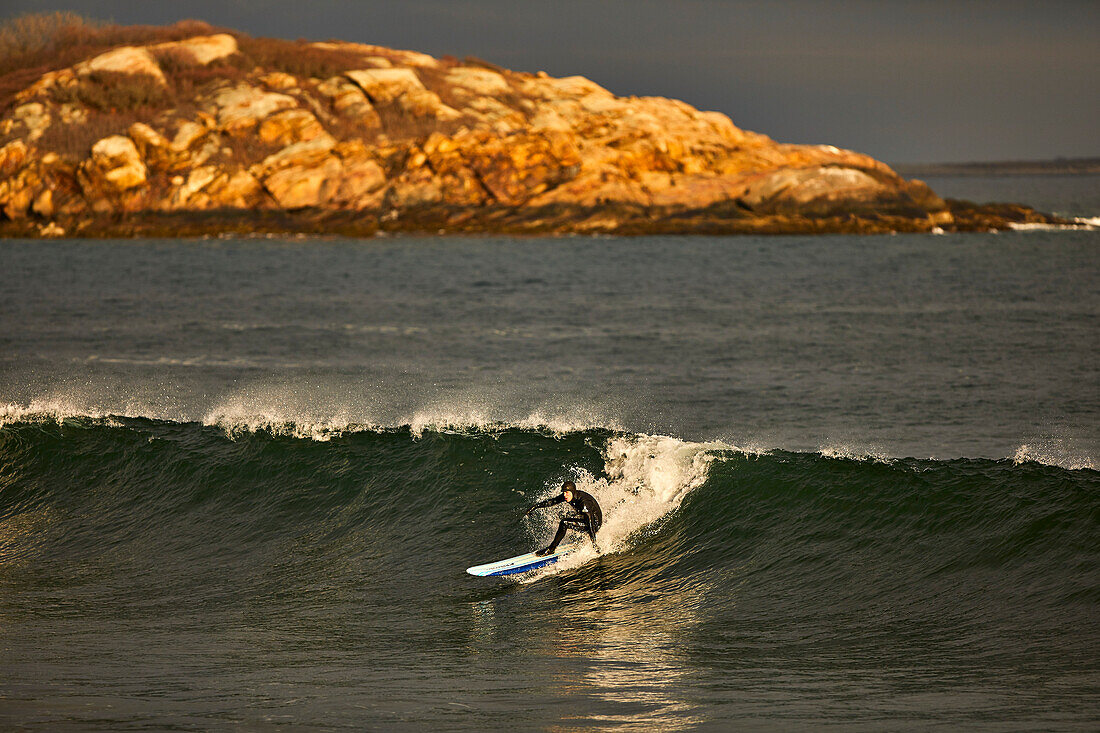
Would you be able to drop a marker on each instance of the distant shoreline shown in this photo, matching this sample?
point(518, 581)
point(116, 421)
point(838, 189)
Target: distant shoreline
point(1056, 167)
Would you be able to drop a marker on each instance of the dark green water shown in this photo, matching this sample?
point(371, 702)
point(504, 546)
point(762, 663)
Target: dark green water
point(848, 482)
point(165, 574)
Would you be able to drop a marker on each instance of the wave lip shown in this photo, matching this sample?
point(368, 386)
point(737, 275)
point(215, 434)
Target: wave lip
point(241, 416)
point(236, 424)
point(480, 420)
point(851, 453)
point(238, 419)
point(1054, 454)
point(54, 410)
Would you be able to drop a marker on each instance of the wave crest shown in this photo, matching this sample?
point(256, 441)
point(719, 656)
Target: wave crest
point(52, 410)
point(482, 420)
point(1054, 453)
point(241, 416)
point(646, 479)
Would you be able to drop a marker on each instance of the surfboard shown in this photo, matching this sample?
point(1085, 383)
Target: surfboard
point(518, 564)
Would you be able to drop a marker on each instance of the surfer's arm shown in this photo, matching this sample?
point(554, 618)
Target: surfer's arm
point(548, 502)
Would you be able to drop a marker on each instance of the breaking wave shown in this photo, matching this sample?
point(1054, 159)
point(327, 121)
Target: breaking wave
point(463, 485)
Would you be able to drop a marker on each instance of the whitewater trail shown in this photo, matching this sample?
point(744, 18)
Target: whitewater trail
point(647, 478)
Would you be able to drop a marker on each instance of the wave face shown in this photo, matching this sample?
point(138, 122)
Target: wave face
point(221, 560)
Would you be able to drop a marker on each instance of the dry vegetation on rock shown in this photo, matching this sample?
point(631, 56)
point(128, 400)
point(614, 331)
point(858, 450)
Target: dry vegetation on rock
point(99, 123)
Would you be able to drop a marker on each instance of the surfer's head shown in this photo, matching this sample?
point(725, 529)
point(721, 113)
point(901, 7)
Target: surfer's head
point(568, 489)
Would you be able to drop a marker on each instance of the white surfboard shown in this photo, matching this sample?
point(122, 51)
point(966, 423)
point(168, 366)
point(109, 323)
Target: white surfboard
point(518, 564)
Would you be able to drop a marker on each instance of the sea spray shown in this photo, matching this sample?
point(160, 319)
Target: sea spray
point(645, 477)
point(1055, 453)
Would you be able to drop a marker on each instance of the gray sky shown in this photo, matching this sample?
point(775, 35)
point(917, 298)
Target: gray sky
point(917, 81)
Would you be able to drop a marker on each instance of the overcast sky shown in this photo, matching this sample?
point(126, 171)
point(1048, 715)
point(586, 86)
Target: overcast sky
point(918, 81)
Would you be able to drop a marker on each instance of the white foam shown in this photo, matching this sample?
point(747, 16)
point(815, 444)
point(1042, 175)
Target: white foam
point(647, 478)
point(241, 415)
point(1054, 453)
point(48, 410)
point(851, 453)
point(321, 431)
point(287, 410)
point(474, 418)
point(1080, 223)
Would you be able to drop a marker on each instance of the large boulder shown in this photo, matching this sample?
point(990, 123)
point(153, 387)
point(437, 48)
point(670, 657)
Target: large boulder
point(241, 107)
point(386, 85)
point(12, 157)
point(349, 101)
point(123, 60)
point(290, 126)
point(404, 87)
point(550, 89)
point(813, 191)
point(305, 186)
point(471, 81)
point(113, 167)
point(493, 115)
point(210, 187)
point(196, 180)
point(517, 167)
point(301, 154)
point(20, 182)
point(302, 174)
point(201, 49)
point(187, 134)
point(154, 148)
point(692, 191)
point(34, 117)
point(361, 179)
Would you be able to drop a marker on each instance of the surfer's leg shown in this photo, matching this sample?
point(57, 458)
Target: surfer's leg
point(591, 529)
point(562, 529)
point(563, 526)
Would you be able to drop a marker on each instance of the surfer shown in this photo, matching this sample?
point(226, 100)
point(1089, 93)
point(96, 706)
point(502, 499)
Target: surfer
point(586, 514)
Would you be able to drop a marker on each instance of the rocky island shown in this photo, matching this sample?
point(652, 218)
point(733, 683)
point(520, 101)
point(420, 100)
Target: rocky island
point(190, 129)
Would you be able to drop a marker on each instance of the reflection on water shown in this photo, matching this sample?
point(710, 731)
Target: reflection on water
point(612, 636)
point(19, 534)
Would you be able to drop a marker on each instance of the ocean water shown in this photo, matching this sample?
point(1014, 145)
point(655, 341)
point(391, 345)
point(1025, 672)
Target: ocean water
point(848, 482)
point(1067, 196)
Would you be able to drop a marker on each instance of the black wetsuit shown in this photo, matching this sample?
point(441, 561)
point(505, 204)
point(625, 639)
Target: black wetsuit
point(586, 516)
